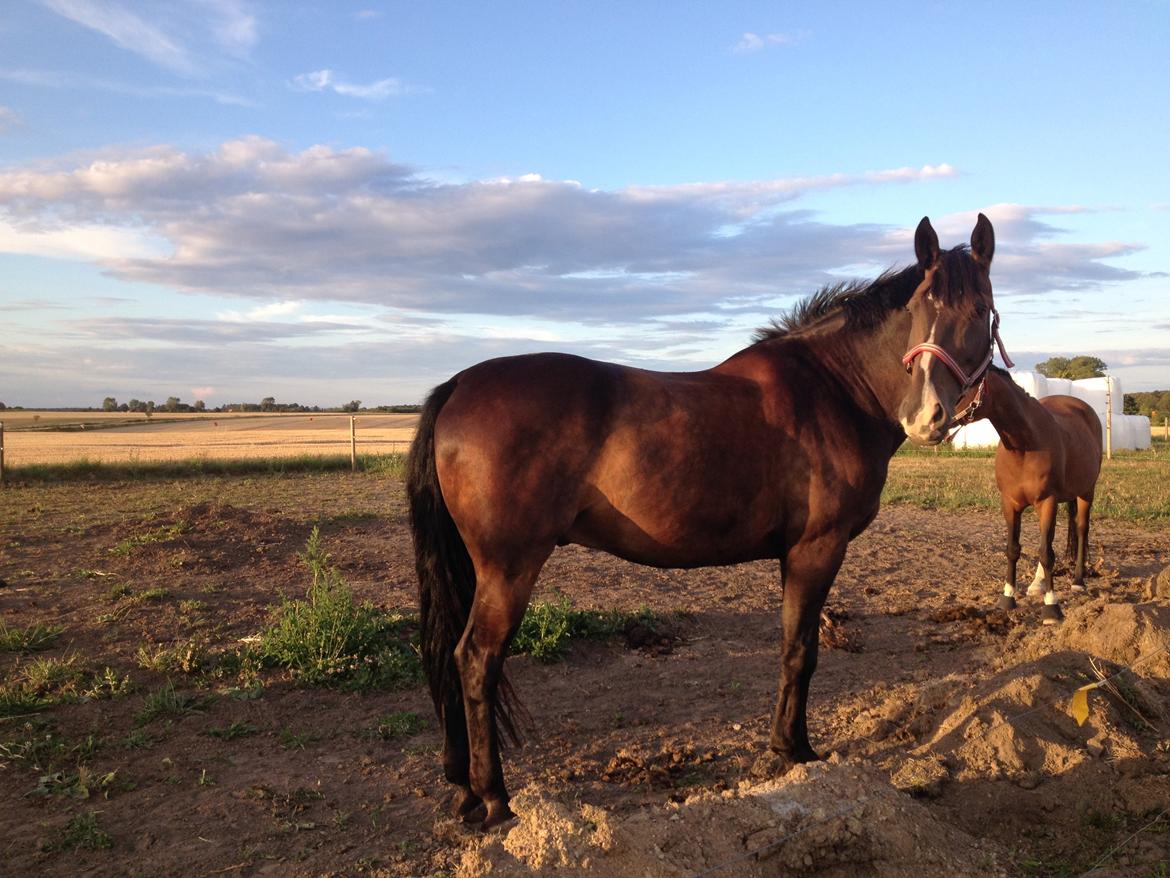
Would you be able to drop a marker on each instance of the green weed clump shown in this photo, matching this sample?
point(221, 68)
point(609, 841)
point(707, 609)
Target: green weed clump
point(82, 831)
point(31, 639)
point(330, 639)
point(548, 627)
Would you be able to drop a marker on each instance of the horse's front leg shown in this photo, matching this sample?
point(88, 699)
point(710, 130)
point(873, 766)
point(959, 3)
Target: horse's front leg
point(808, 571)
point(1050, 613)
point(1011, 516)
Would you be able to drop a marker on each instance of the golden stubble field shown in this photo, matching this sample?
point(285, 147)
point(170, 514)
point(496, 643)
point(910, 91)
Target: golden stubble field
point(32, 437)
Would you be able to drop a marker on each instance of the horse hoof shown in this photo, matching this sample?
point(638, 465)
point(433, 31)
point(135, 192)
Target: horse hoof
point(1078, 587)
point(1006, 602)
point(467, 807)
point(1050, 614)
point(498, 813)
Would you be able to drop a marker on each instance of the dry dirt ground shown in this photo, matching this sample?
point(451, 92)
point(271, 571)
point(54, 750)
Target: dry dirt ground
point(951, 749)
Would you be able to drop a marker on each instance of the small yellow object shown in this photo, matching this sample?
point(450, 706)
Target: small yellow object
point(1080, 703)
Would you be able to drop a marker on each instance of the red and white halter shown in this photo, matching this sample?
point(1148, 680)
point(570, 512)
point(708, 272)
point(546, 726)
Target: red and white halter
point(978, 376)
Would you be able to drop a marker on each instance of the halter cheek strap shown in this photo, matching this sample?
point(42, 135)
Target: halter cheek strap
point(965, 381)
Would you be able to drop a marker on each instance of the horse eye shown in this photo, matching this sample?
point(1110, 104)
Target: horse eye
point(980, 309)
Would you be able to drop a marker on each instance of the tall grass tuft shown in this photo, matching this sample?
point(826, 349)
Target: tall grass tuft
point(330, 639)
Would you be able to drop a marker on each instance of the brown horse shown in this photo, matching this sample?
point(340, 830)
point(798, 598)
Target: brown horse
point(779, 452)
point(1049, 453)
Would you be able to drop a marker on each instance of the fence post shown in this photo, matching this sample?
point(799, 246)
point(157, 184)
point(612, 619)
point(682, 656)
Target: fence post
point(1, 454)
point(352, 445)
point(1108, 419)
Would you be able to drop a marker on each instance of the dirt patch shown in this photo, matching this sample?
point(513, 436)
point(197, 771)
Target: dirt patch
point(949, 717)
point(827, 820)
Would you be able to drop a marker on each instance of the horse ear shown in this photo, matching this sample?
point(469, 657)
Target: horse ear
point(926, 244)
point(983, 241)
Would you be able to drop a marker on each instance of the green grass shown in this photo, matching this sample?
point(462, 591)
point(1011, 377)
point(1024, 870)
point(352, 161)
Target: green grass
point(238, 729)
point(30, 639)
point(330, 639)
point(82, 831)
point(158, 535)
point(188, 658)
point(1134, 486)
point(166, 702)
point(548, 627)
point(133, 471)
point(401, 724)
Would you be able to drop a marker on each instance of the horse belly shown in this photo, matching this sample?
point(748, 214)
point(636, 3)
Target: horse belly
point(671, 530)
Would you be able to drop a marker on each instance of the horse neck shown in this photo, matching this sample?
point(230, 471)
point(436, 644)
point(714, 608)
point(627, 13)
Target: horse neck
point(868, 365)
point(1017, 417)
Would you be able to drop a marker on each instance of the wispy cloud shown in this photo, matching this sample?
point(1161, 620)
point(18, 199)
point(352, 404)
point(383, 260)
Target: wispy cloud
point(367, 14)
point(8, 118)
point(61, 80)
point(752, 42)
point(327, 80)
point(180, 37)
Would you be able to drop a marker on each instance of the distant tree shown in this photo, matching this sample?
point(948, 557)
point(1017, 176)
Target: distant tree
point(352, 406)
point(136, 405)
point(1074, 368)
point(267, 404)
point(2, 406)
point(150, 407)
point(1130, 407)
point(172, 404)
point(200, 405)
point(1154, 404)
point(109, 404)
point(123, 408)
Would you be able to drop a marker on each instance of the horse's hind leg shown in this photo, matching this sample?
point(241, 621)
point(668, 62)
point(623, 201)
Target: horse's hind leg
point(808, 572)
point(500, 601)
point(1050, 613)
point(1012, 550)
point(457, 756)
point(1084, 507)
point(1070, 548)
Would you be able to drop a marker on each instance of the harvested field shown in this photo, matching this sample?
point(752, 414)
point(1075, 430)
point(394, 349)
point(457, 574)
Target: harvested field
point(63, 437)
point(951, 747)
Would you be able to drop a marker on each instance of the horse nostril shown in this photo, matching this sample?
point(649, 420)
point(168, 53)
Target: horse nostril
point(938, 415)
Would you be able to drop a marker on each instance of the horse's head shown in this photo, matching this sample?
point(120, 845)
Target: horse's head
point(952, 330)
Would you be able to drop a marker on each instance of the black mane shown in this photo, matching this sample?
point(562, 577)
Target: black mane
point(865, 304)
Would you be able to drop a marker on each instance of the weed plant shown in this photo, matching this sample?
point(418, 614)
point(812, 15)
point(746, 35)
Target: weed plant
point(330, 639)
point(548, 627)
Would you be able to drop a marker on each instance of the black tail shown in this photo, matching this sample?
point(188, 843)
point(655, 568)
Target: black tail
point(446, 576)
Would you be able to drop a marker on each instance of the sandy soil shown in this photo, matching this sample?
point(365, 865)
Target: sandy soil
point(951, 749)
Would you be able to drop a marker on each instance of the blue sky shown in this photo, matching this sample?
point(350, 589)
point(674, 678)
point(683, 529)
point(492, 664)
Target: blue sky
point(227, 200)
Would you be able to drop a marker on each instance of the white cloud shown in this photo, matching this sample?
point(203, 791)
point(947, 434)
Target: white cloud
point(753, 42)
point(184, 38)
point(251, 219)
point(327, 80)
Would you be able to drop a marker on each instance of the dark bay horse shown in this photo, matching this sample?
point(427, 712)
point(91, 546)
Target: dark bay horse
point(779, 452)
point(1049, 453)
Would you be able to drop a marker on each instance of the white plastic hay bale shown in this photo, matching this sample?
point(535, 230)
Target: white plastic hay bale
point(1140, 431)
point(1059, 387)
point(981, 434)
point(1033, 382)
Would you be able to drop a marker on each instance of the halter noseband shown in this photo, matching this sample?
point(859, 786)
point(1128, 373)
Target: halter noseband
point(979, 376)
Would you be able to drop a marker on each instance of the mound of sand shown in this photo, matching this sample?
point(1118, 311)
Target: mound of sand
point(832, 820)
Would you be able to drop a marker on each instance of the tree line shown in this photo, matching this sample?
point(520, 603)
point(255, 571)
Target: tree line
point(267, 404)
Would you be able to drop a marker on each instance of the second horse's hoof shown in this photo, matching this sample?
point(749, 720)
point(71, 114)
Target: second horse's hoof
point(1050, 614)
